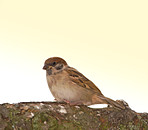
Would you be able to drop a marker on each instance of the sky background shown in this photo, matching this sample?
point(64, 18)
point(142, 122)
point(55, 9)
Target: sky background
point(107, 41)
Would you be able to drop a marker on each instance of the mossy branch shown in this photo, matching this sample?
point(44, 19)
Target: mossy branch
point(60, 116)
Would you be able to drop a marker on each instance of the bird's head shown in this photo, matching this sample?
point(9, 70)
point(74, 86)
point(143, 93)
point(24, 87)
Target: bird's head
point(54, 65)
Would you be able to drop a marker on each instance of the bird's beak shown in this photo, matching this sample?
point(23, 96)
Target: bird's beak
point(45, 67)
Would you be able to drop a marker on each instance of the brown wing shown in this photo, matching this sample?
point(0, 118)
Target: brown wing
point(81, 80)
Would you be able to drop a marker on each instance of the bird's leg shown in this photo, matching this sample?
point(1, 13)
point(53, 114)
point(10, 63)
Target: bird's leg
point(66, 101)
point(76, 103)
point(73, 102)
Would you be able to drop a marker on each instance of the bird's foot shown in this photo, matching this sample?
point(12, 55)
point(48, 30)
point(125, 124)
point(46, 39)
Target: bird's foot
point(73, 102)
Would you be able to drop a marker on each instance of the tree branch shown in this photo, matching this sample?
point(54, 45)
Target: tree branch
point(60, 116)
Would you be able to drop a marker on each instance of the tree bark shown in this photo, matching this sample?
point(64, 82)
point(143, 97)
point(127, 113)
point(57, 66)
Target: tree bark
point(61, 116)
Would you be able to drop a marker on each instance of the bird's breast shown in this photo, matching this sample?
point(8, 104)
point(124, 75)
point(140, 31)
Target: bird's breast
point(60, 87)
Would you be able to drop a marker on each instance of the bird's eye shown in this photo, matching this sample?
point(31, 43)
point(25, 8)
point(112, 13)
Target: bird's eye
point(53, 63)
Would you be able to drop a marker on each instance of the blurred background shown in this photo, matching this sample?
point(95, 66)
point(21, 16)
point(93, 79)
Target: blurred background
point(107, 41)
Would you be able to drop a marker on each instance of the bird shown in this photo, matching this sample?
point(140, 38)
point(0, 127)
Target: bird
point(69, 85)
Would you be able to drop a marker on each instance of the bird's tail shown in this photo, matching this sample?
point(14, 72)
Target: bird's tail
point(113, 103)
point(105, 100)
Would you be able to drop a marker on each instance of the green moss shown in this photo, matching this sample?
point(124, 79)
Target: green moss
point(143, 124)
point(17, 121)
point(122, 127)
point(104, 127)
point(44, 119)
point(76, 118)
point(13, 118)
point(68, 126)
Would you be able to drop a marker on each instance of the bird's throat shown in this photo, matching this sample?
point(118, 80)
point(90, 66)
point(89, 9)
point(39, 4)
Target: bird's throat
point(49, 72)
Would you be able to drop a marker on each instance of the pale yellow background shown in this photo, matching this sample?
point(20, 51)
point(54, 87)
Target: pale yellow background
point(105, 40)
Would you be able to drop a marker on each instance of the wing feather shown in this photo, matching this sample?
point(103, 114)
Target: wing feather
point(79, 79)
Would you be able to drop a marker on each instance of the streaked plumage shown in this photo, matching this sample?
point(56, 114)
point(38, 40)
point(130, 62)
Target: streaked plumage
point(69, 85)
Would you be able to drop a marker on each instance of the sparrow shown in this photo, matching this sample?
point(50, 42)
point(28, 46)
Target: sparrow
point(69, 85)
